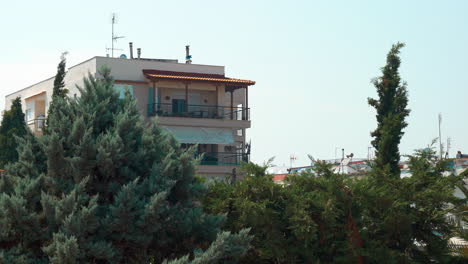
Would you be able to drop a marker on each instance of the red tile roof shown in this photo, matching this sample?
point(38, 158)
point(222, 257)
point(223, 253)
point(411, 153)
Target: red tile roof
point(192, 76)
point(279, 177)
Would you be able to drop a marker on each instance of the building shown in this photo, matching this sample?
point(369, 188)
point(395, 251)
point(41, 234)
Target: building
point(198, 104)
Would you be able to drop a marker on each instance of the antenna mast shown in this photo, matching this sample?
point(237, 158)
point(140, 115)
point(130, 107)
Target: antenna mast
point(114, 38)
point(440, 136)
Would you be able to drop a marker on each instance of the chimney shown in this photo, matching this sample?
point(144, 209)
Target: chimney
point(139, 53)
point(188, 57)
point(131, 49)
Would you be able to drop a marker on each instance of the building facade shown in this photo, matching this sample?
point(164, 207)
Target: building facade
point(198, 104)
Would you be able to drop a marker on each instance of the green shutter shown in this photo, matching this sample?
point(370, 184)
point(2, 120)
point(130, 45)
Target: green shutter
point(150, 101)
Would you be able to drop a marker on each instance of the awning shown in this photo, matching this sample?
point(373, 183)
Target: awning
point(202, 135)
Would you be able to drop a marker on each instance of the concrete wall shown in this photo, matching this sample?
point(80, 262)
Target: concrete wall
point(33, 90)
point(74, 76)
point(238, 98)
point(126, 69)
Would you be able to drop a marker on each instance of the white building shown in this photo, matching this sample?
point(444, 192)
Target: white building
point(197, 103)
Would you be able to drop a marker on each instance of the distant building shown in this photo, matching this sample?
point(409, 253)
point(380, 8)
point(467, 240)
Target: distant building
point(198, 104)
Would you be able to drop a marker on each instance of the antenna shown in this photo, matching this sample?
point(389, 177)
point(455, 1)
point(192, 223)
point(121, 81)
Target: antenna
point(449, 143)
point(114, 37)
point(440, 136)
point(292, 158)
point(312, 159)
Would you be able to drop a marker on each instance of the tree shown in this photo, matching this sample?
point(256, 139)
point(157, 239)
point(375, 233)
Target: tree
point(59, 83)
point(324, 217)
point(59, 90)
point(13, 125)
point(304, 221)
point(102, 186)
point(392, 110)
point(407, 219)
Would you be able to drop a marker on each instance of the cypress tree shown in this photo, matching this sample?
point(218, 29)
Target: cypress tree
point(392, 110)
point(102, 186)
point(59, 90)
point(59, 84)
point(13, 125)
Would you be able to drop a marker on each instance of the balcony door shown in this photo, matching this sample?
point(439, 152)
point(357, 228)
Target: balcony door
point(178, 106)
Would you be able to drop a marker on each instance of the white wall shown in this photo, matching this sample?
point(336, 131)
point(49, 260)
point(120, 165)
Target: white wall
point(127, 69)
point(74, 76)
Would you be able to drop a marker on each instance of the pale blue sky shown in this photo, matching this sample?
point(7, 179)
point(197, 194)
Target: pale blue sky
point(312, 60)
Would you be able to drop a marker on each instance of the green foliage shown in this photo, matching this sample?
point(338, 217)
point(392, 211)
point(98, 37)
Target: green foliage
point(59, 81)
point(407, 219)
point(304, 221)
point(326, 217)
point(102, 186)
point(13, 125)
point(59, 92)
point(391, 113)
point(225, 249)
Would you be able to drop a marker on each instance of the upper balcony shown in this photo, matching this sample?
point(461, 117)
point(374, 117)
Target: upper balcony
point(181, 109)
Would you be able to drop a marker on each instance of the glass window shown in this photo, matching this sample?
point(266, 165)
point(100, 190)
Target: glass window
point(121, 88)
point(29, 114)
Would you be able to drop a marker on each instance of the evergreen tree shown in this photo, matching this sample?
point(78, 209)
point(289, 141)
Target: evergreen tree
point(59, 90)
point(103, 187)
point(324, 217)
point(407, 219)
point(13, 125)
point(59, 84)
point(391, 113)
point(308, 220)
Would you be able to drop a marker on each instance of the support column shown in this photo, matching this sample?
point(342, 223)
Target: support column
point(247, 110)
point(186, 96)
point(152, 107)
point(232, 104)
point(216, 112)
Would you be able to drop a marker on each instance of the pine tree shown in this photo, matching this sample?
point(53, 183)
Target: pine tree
point(392, 110)
point(13, 125)
point(102, 186)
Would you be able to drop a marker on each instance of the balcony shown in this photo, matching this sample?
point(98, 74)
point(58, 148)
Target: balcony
point(223, 158)
point(199, 111)
point(36, 125)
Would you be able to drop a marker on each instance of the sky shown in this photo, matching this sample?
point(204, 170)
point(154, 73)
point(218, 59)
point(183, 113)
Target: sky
point(313, 61)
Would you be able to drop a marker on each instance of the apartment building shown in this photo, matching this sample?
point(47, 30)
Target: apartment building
point(198, 104)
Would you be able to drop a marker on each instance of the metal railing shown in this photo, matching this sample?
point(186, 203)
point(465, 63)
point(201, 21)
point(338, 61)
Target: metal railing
point(199, 111)
point(223, 158)
point(36, 125)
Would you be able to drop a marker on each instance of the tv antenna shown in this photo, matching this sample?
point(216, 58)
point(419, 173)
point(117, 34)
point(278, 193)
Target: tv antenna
point(114, 37)
point(292, 158)
point(440, 136)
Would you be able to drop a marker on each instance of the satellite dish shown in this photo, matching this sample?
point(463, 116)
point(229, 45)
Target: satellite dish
point(123, 56)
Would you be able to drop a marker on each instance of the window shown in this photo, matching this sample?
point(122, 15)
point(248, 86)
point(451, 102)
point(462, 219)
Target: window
point(121, 88)
point(29, 114)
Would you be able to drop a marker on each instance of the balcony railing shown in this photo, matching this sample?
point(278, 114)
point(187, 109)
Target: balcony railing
point(36, 125)
point(223, 158)
point(199, 111)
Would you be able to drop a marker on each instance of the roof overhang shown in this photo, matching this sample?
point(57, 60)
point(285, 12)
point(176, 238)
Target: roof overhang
point(198, 77)
point(39, 95)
